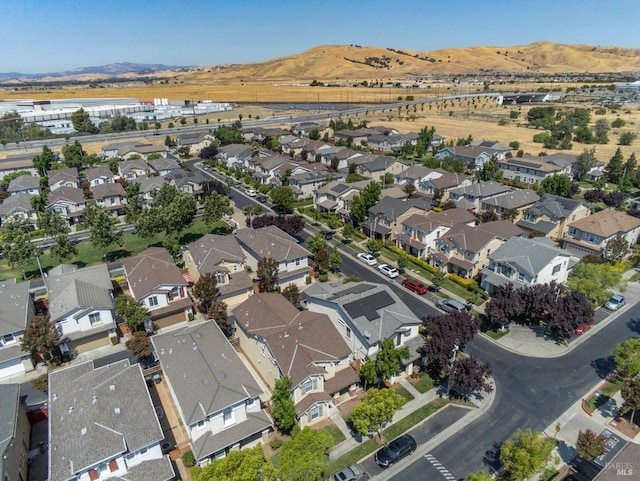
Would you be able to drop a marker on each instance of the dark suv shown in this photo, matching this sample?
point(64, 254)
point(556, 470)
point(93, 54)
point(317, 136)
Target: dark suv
point(395, 450)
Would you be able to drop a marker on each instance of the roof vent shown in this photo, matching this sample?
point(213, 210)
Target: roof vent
point(195, 346)
point(94, 400)
point(116, 410)
point(112, 387)
point(367, 335)
point(83, 431)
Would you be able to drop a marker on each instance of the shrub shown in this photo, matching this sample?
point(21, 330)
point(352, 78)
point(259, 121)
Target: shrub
point(114, 340)
point(307, 280)
point(423, 264)
point(351, 279)
point(466, 283)
point(188, 459)
point(324, 277)
point(276, 443)
point(396, 250)
point(437, 209)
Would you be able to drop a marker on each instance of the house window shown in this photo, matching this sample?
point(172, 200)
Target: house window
point(201, 425)
point(314, 413)
point(592, 238)
point(235, 267)
point(8, 339)
point(298, 261)
point(175, 292)
point(348, 333)
point(556, 269)
point(227, 416)
point(153, 301)
point(308, 385)
point(94, 318)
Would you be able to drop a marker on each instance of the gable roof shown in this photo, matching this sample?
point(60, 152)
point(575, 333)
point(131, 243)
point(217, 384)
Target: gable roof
point(18, 202)
point(69, 194)
point(482, 189)
point(149, 184)
point(234, 150)
point(163, 164)
point(211, 250)
point(415, 172)
point(97, 172)
point(151, 269)
point(475, 238)
point(204, 370)
point(9, 404)
point(469, 151)
point(514, 199)
point(24, 182)
point(537, 163)
point(97, 414)
point(528, 255)
point(373, 309)
point(607, 223)
point(129, 165)
point(270, 241)
point(108, 189)
point(433, 220)
point(16, 307)
point(71, 288)
point(555, 207)
point(391, 208)
point(58, 175)
point(448, 180)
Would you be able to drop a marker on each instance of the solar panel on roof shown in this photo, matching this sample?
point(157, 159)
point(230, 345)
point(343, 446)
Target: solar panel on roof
point(368, 306)
point(340, 188)
point(525, 164)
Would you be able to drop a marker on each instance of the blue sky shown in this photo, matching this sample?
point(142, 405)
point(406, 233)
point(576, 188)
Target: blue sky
point(38, 36)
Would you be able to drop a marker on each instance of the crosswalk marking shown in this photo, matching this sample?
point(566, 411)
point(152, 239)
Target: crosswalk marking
point(441, 469)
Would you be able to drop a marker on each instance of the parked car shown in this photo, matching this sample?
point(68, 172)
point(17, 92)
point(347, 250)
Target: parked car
point(395, 450)
point(355, 472)
point(262, 198)
point(615, 302)
point(367, 259)
point(251, 192)
point(388, 271)
point(450, 305)
point(415, 286)
point(328, 234)
point(585, 327)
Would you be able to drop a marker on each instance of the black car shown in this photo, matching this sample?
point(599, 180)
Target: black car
point(328, 234)
point(395, 450)
point(262, 198)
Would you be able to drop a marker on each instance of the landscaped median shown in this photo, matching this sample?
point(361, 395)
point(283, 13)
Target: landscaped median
point(601, 396)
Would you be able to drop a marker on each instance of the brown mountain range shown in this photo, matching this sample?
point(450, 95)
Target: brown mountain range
point(329, 62)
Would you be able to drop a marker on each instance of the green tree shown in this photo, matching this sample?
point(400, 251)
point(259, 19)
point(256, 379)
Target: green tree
point(358, 209)
point(42, 162)
point(615, 249)
point(615, 168)
point(367, 373)
point(371, 194)
point(585, 162)
point(206, 290)
point(489, 171)
point(74, 155)
point(389, 359)
point(602, 128)
point(56, 228)
point(215, 207)
point(556, 184)
point(377, 408)
point(40, 336)
point(589, 445)
point(630, 392)
point(243, 465)
point(102, 228)
point(335, 260)
point(282, 408)
point(314, 134)
point(172, 211)
point(525, 454)
point(267, 274)
point(218, 312)
point(438, 279)
point(594, 280)
point(139, 345)
point(133, 312)
point(322, 260)
point(282, 197)
point(17, 245)
point(82, 123)
point(627, 138)
point(291, 293)
point(306, 456)
point(63, 249)
point(169, 142)
point(403, 261)
point(375, 245)
point(134, 202)
point(627, 357)
point(480, 475)
point(6, 180)
point(316, 242)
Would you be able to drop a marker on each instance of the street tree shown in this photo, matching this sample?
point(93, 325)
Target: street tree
point(208, 153)
point(291, 293)
point(389, 359)
point(589, 445)
point(571, 309)
point(322, 260)
point(17, 245)
point(438, 279)
point(505, 305)
point(267, 274)
point(282, 408)
point(102, 228)
point(470, 376)
point(525, 454)
point(335, 260)
point(282, 198)
point(305, 456)
point(367, 373)
point(63, 249)
point(218, 312)
point(40, 336)
point(139, 344)
point(377, 408)
point(627, 357)
point(291, 224)
point(247, 464)
point(615, 249)
point(206, 290)
point(43, 161)
point(479, 476)
point(316, 242)
point(375, 245)
point(594, 280)
point(631, 396)
point(134, 202)
point(403, 261)
point(133, 312)
point(56, 228)
point(215, 207)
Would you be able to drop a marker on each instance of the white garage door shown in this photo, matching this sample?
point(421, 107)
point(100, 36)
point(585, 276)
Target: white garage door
point(11, 367)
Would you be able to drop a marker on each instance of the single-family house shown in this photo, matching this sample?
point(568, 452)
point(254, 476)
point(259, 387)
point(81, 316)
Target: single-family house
point(133, 169)
point(18, 206)
point(81, 306)
point(149, 185)
point(294, 145)
point(417, 175)
point(464, 250)
point(551, 216)
point(155, 281)
point(103, 425)
point(111, 151)
point(164, 165)
point(28, 184)
point(280, 340)
point(475, 156)
point(354, 136)
point(385, 217)
point(471, 197)
point(445, 183)
point(365, 314)
point(265, 167)
point(530, 170)
point(488, 144)
point(234, 155)
point(590, 235)
point(336, 196)
point(143, 151)
point(305, 180)
point(260, 134)
point(515, 202)
point(98, 175)
point(17, 163)
point(15, 434)
point(223, 257)
point(216, 396)
point(196, 141)
point(16, 310)
point(389, 143)
point(62, 178)
point(69, 202)
point(381, 165)
point(420, 232)
point(272, 242)
point(526, 262)
point(111, 197)
point(305, 128)
point(188, 182)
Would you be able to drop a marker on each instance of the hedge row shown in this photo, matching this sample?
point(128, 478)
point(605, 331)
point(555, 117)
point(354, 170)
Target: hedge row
point(466, 283)
point(423, 264)
point(396, 250)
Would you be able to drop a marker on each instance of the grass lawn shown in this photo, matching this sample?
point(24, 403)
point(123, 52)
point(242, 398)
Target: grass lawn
point(406, 395)
point(88, 254)
point(606, 393)
point(391, 432)
point(335, 433)
point(495, 333)
point(424, 384)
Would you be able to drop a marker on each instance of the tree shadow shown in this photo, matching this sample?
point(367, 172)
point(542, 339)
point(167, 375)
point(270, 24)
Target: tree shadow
point(634, 325)
point(491, 457)
point(117, 254)
point(603, 366)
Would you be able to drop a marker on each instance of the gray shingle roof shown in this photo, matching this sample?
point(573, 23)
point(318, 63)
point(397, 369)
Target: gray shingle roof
point(96, 414)
point(108, 189)
point(555, 207)
point(18, 202)
point(16, 306)
point(97, 173)
point(271, 242)
point(163, 164)
point(514, 200)
point(24, 182)
point(211, 250)
point(528, 255)
point(152, 268)
point(69, 194)
point(204, 370)
point(9, 402)
point(482, 189)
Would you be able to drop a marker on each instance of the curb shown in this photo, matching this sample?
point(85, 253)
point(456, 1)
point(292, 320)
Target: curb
point(609, 379)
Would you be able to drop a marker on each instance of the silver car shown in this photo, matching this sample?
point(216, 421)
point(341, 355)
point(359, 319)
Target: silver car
point(450, 305)
point(615, 302)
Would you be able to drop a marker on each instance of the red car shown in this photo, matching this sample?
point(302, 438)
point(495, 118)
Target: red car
point(585, 327)
point(414, 286)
